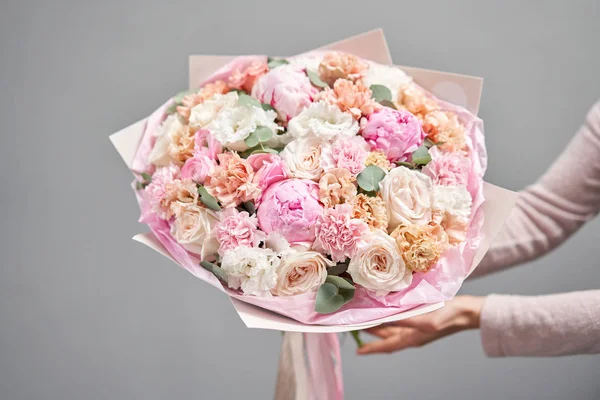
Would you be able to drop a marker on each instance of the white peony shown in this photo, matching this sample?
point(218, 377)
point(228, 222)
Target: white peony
point(160, 155)
point(205, 112)
point(301, 271)
point(408, 197)
point(391, 77)
point(453, 200)
point(324, 121)
point(193, 229)
point(378, 265)
point(253, 270)
point(307, 157)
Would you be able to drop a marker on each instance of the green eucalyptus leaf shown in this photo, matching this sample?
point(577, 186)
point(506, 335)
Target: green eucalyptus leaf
point(338, 269)
point(265, 150)
point(421, 156)
point(147, 177)
point(263, 134)
point(315, 79)
point(276, 62)
point(368, 180)
point(139, 185)
point(245, 100)
point(252, 140)
point(381, 93)
point(406, 164)
point(207, 199)
point(388, 103)
point(339, 282)
point(179, 96)
point(267, 107)
point(328, 299)
point(171, 109)
point(428, 143)
point(238, 91)
point(250, 207)
point(215, 269)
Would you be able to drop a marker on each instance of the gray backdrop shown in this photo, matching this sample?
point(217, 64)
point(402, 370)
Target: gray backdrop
point(85, 313)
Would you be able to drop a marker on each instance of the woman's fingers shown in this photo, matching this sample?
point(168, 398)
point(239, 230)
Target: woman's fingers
point(381, 331)
point(395, 339)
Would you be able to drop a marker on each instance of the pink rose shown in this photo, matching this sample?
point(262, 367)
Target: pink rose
point(156, 190)
point(447, 169)
point(291, 208)
point(397, 133)
point(237, 229)
point(338, 233)
point(197, 168)
point(350, 153)
point(287, 89)
point(205, 144)
point(269, 168)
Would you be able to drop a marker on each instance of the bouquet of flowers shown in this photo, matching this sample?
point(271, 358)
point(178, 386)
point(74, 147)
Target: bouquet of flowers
point(326, 187)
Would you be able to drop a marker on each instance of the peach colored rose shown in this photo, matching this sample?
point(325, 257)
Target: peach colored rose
point(193, 99)
point(337, 186)
point(354, 98)
point(379, 159)
point(444, 127)
point(414, 100)
point(337, 65)
point(193, 229)
point(371, 210)
point(231, 182)
point(421, 246)
point(300, 272)
point(244, 80)
point(178, 192)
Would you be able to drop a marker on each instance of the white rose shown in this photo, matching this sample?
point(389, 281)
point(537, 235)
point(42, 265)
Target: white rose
point(408, 195)
point(378, 265)
point(160, 155)
point(205, 112)
point(254, 270)
point(307, 157)
point(324, 121)
point(193, 229)
point(234, 124)
point(453, 200)
point(391, 77)
point(301, 271)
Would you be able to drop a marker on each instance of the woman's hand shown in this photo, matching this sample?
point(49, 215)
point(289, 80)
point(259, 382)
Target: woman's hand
point(459, 314)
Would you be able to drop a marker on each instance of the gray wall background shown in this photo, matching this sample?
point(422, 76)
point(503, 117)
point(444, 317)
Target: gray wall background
point(85, 313)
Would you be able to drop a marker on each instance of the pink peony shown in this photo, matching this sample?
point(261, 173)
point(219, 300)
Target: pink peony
point(205, 144)
point(269, 168)
point(350, 153)
point(447, 169)
point(338, 233)
point(198, 168)
point(287, 89)
point(155, 191)
point(397, 133)
point(245, 79)
point(291, 208)
point(237, 229)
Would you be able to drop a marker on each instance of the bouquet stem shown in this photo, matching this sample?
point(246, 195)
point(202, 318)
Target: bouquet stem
point(356, 337)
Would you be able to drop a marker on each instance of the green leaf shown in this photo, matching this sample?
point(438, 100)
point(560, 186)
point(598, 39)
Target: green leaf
point(368, 180)
point(428, 143)
point(250, 207)
point(421, 156)
point(207, 199)
point(263, 134)
point(315, 79)
point(381, 93)
point(265, 150)
point(406, 164)
point(328, 299)
point(252, 140)
point(267, 107)
point(147, 177)
point(171, 109)
point(276, 62)
point(179, 96)
point(245, 100)
point(338, 269)
point(388, 103)
point(238, 91)
point(139, 185)
point(357, 339)
point(339, 282)
point(215, 269)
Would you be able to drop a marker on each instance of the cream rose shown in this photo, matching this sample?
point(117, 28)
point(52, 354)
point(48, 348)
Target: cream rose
point(408, 195)
point(307, 157)
point(324, 121)
point(378, 265)
point(300, 272)
point(193, 229)
point(160, 154)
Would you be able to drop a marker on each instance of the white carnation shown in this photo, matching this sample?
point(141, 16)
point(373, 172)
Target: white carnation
point(324, 121)
point(160, 155)
point(391, 77)
point(205, 112)
point(254, 270)
point(453, 200)
point(306, 158)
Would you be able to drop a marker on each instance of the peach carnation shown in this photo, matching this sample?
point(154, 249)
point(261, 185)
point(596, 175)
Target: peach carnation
point(337, 186)
point(444, 127)
point(181, 146)
point(336, 66)
point(414, 100)
point(421, 246)
point(206, 92)
point(231, 182)
point(379, 159)
point(354, 98)
point(244, 80)
point(371, 210)
point(177, 193)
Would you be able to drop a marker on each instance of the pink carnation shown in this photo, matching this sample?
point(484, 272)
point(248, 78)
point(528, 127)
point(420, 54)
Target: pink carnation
point(269, 168)
point(287, 89)
point(157, 188)
point(338, 233)
point(350, 153)
point(447, 169)
point(205, 144)
point(198, 168)
point(237, 229)
point(397, 133)
point(291, 208)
